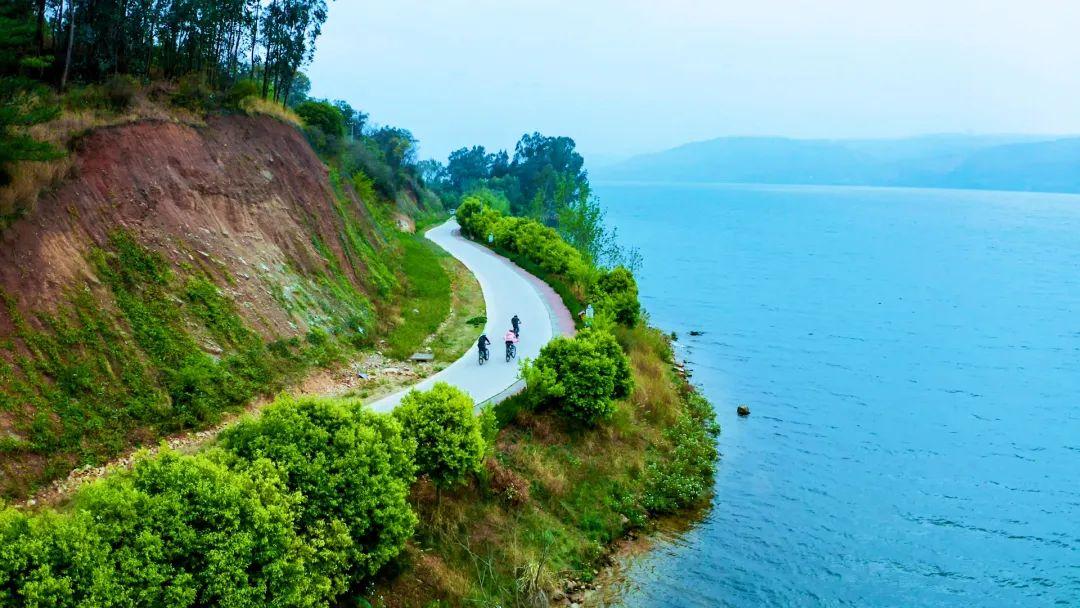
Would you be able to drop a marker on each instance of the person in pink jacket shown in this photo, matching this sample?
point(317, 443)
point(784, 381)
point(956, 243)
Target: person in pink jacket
point(511, 340)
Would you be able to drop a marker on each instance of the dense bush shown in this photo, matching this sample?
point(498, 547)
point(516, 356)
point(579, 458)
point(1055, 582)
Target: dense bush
point(49, 560)
point(193, 93)
point(449, 442)
point(683, 475)
point(616, 292)
point(354, 470)
point(323, 116)
point(188, 531)
point(582, 375)
point(240, 91)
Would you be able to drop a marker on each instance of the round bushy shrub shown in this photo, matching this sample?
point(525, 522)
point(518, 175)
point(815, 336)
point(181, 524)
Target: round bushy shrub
point(353, 469)
point(240, 91)
point(609, 348)
point(616, 292)
point(52, 560)
point(449, 441)
point(589, 371)
point(188, 531)
point(323, 116)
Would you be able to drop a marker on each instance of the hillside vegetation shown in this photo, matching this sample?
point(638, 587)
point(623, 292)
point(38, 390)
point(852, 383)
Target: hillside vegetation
point(184, 269)
point(316, 501)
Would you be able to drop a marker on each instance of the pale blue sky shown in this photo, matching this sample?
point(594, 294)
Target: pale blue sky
point(630, 76)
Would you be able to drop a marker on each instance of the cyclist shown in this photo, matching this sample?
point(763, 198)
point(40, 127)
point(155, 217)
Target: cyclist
point(482, 344)
point(516, 324)
point(511, 340)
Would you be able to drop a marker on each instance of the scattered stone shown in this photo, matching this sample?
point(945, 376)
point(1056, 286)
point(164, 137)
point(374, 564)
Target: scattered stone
point(697, 333)
point(362, 376)
point(743, 410)
point(422, 357)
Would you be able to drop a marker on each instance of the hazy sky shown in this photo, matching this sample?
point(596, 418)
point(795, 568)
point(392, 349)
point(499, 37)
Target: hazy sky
point(629, 76)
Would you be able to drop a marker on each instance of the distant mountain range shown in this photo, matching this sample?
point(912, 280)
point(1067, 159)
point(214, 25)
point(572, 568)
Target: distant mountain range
point(991, 162)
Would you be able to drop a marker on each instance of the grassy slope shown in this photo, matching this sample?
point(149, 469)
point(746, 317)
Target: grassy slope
point(157, 348)
point(550, 500)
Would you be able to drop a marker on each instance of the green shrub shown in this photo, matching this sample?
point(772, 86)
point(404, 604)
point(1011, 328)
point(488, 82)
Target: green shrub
point(353, 469)
point(449, 439)
point(193, 93)
point(119, 92)
point(582, 375)
point(49, 560)
point(323, 116)
point(683, 475)
point(616, 292)
point(188, 531)
point(240, 91)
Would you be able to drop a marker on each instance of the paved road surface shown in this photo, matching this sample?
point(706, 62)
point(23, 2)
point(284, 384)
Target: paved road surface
point(507, 290)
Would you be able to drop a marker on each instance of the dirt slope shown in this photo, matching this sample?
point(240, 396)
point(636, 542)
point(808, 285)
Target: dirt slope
point(259, 244)
point(242, 195)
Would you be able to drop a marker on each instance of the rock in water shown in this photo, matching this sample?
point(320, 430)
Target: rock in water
point(743, 410)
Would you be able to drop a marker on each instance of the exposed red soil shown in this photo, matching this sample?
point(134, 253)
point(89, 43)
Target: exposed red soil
point(242, 195)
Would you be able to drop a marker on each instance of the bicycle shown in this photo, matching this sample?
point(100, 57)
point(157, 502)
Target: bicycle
point(484, 355)
point(511, 351)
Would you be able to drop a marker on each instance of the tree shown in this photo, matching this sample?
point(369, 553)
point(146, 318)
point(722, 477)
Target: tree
point(298, 94)
point(323, 116)
point(616, 292)
point(449, 442)
point(467, 166)
point(398, 146)
point(354, 119)
point(539, 161)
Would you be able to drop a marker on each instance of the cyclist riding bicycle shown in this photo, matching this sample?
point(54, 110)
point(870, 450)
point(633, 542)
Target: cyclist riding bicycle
point(516, 324)
point(511, 340)
point(482, 344)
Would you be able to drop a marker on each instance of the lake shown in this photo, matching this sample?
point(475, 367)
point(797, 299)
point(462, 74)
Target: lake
point(912, 362)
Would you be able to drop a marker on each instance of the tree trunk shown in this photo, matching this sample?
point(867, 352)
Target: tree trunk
point(41, 27)
point(70, 44)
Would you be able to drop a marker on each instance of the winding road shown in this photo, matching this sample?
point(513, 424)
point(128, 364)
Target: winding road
point(508, 290)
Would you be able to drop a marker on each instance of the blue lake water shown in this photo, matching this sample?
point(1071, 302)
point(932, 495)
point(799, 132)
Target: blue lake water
point(912, 362)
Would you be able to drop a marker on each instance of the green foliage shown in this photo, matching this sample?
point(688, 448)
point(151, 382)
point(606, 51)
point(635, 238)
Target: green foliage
point(200, 387)
point(683, 476)
point(542, 250)
point(616, 292)
point(193, 93)
point(581, 376)
point(449, 439)
point(47, 560)
point(23, 104)
point(353, 469)
point(323, 116)
point(188, 531)
point(240, 91)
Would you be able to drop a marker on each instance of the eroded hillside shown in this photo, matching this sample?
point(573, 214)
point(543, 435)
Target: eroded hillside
point(179, 271)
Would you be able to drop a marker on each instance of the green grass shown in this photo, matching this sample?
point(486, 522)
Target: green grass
point(125, 364)
point(425, 303)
